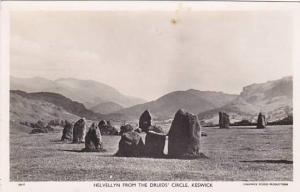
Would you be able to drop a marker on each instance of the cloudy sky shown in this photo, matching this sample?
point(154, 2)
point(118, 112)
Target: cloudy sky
point(148, 54)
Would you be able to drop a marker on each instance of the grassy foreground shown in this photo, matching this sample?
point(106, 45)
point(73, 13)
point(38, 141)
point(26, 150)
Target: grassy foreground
point(236, 154)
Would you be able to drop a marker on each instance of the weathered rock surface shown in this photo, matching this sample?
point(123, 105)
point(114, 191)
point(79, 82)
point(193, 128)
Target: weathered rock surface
point(145, 121)
point(184, 136)
point(67, 131)
point(224, 121)
point(79, 131)
point(261, 121)
point(106, 128)
point(131, 145)
point(125, 128)
point(93, 140)
point(154, 144)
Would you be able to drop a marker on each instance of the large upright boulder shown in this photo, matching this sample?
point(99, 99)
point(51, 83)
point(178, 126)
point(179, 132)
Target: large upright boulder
point(145, 121)
point(184, 136)
point(224, 121)
point(67, 131)
point(93, 140)
point(261, 121)
point(154, 144)
point(79, 131)
point(131, 145)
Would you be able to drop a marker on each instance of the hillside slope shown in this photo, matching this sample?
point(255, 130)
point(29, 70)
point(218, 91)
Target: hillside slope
point(88, 92)
point(58, 101)
point(273, 98)
point(106, 108)
point(192, 100)
point(32, 110)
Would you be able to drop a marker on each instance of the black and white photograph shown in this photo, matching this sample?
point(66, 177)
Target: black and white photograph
point(151, 95)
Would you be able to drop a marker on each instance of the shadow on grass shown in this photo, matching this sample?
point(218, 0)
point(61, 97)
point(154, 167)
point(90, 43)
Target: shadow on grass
point(82, 151)
point(64, 142)
point(198, 156)
point(184, 157)
point(71, 150)
point(246, 149)
point(269, 161)
point(245, 128)
point(56, 141)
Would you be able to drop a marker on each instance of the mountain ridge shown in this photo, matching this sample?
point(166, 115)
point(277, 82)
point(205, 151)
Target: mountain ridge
point(166, 106)
point(60, 101)
point(88, 92)
point(273, 98)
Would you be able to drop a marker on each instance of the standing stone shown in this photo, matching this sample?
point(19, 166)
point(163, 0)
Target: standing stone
point(154, 144)
point(184, 135)
point(224, 121)
point(145, 121)
point(79, 131)
point(131, 145)
point(102, 123)
point(102, 127)
point(106, 128)
point(261, 121)
point(93, 140)
point(125, 128)
point(67, 132)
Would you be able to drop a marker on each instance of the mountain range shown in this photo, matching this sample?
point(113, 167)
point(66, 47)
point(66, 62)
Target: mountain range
point(88, 92)
point(273, 98)
point(192, 100)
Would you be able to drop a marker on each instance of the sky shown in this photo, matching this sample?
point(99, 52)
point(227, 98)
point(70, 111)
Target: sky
point(148, 54)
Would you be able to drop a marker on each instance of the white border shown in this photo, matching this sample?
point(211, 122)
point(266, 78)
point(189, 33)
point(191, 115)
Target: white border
point(6, 7)
point(147, 5)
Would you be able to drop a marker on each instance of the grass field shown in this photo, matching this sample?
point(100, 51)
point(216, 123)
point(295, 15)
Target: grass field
point(236, 154)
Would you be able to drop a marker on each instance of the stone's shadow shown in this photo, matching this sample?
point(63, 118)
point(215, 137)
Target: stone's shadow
point(198, 156)
point(71, 150)
point(188, 156)
point(83, 151)
point(269, 161)
point(246, 149)
point(64, 142)
point(185, 157)
point(244, 128)
point(93, 150)
point(56, 141)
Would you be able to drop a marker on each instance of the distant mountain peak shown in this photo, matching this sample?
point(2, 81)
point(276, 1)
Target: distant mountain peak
point(191, 100)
